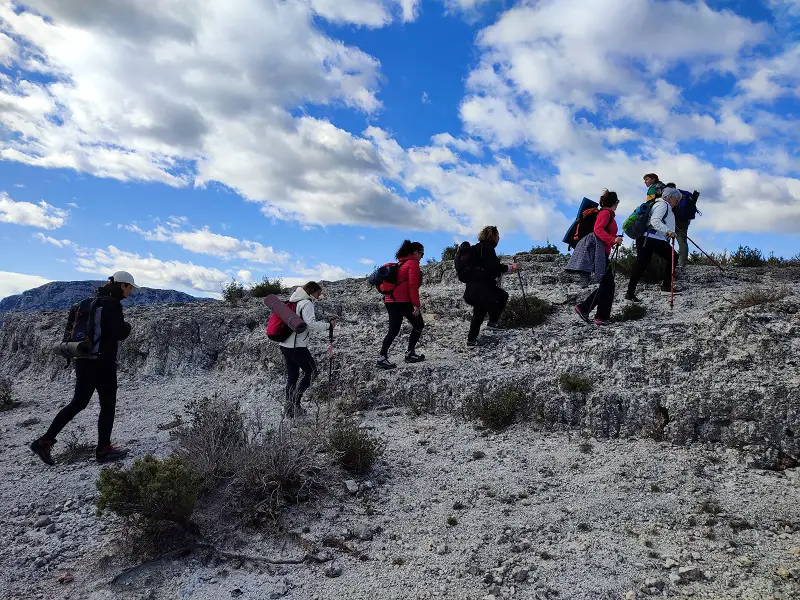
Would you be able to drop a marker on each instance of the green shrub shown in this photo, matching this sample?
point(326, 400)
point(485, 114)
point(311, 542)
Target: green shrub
point(6, 399)
point(449, 253)
point(745, 256)
point(233, 291)
point(756, 296)
point(631, 312)
point(265, 287)
point(151, 490)
point(572, 383)
point(356, 449)
point(496, 408)
point(548, 248)
point(517, 314)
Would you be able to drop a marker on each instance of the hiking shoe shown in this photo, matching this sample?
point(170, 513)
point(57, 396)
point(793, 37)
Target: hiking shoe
point(581, 314)
point(474, 343)
point(495, 325)
point(110, 454)
point(413, 357)
point(42, 449)
point(632, 298)
point(384, 363)
point(602, 322)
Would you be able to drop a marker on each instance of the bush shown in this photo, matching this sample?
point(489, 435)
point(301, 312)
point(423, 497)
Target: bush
point(151, 490)
point(233, 291)
point(212, 438)
point(449, 253)
point(280, 469)
point(548, 248)
point(357, 450)
point(265, 287)
point(756, 296)
point(498, 408)
point(77, 446)
point(6, 400)
point(572, 383)
point(626, 259)
point(745, 256)
point(631, 312)
point(517, 314)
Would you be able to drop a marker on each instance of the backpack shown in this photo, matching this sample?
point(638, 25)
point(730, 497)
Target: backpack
point(584, 225)
point(686, 209)
point(82, 331)
point(638, 222)
point(384, 278)
point(463, 263)
point(277, 329)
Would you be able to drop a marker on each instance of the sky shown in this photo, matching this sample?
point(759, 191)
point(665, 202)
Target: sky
point(195, 141)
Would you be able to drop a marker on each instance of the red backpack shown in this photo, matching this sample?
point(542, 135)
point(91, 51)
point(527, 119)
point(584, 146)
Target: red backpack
point(277, 330)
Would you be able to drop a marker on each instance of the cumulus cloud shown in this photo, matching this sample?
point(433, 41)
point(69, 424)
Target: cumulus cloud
point(16, 283)
point(53, 241)
point(41, 215)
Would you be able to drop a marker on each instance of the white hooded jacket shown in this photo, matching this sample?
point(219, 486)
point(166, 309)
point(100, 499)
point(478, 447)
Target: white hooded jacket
point(662, 220)
point(305, 308)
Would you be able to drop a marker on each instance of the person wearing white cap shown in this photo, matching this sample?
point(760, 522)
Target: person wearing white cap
point(656, 241)
point(97, 371)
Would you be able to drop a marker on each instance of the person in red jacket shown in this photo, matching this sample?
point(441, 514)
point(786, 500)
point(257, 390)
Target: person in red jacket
point(605, 229)
point(403, 302)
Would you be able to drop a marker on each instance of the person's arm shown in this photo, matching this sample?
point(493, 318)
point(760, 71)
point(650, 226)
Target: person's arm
point(601, 228)
point(657, 218)
point(310, 317)
point(494, 266)
point(414, 281)
point(112, 321)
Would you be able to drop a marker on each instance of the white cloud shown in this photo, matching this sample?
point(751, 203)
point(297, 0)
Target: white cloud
point(773, 77)
point(16, 283)
point(320, 272)
point(425, 99)
point(41, 215)
point(203, 241)
point(49, 240)
point(371, 13)
point(366, 261)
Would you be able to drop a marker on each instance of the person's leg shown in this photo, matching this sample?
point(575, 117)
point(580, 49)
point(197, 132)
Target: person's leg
point(644, 252)
point(85, 383)
point(417, 324)
point(498, 305)
point(292, 374)
point(681, 229)
point(309, 366)
point(478, 315)
point(605, 295)
point(664, 250)
point(395, 311)
point(107, 392)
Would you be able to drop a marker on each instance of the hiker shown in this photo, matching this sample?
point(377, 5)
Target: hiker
point(295, 350)
point(600, 244)
point(656, 241)
point(403, 302)
point(97, 372)
point(681, 231)
point(654, 187)
point(482, 292)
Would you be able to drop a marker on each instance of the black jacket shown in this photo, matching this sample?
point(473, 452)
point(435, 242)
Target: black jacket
point(113, 328)
point(486, 269)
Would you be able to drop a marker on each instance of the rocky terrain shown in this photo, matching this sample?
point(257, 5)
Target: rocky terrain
point(674, 476)
point(60, 295)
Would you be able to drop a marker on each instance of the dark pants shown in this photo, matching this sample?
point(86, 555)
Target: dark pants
point(681, 229)
point(602, 297)
point(90, 375)
point(645, 248)
point(485, 300)
point(397, 312)
point(297, 359)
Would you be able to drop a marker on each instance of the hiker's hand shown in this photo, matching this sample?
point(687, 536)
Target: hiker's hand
point(671, 235)
point(513, 268)
point(333, 322)
point(618, 241)
point(415, 312)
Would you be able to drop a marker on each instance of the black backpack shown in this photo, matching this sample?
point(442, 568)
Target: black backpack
point(82, 332)
point(464, 262)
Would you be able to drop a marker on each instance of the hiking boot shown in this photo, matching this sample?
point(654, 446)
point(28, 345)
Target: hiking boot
point(581, 314)
point(109, 453)
point(474, 343)
point(413, 357)
point(632, 298)
point(42, 449)
point(384, 363)
point(602, 322)
point(495, 325)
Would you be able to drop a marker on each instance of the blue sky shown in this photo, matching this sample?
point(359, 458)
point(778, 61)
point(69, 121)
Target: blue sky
point(190, 143)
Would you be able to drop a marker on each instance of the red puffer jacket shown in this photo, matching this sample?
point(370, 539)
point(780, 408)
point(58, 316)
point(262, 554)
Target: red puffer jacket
point(409, 278)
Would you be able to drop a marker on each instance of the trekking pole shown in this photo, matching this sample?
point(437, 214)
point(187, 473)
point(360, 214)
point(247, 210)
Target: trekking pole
point(330, 356)
point(672, 280)
point(522, 287)
point(714, 262)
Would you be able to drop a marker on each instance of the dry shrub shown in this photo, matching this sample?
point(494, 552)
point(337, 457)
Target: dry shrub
point(6, 400)
point(573, 383)
point(519, 314)
point(356, 449)
point(77, 446)
point(496, 408)
point(756, 296)
point(631, 312)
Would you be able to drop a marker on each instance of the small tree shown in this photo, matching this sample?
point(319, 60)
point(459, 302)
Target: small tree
point(449, 253)
point(265, 287)
point(233, 291)
point(548, 248)
point(745, 256)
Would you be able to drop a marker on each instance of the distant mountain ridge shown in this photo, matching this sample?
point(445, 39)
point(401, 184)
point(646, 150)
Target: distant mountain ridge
point(59, 295)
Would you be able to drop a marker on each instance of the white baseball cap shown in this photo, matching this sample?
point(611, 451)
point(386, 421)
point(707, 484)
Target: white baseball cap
point(124, 277)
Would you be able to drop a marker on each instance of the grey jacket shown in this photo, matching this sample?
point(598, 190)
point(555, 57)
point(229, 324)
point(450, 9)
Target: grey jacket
point(589, 257)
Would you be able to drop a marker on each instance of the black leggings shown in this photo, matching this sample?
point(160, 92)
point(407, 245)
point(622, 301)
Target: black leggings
point(90, 375)
point(297, 359)
point(602, 297)
point(485, 300)
point(645, 248)
point(397, 311)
